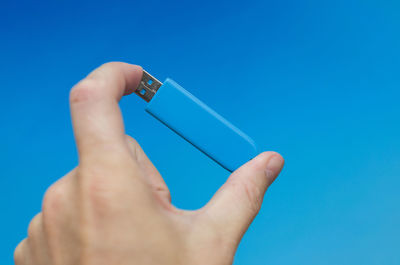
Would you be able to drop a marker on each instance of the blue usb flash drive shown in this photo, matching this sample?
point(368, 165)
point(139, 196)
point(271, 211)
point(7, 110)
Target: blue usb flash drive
point(196, 122)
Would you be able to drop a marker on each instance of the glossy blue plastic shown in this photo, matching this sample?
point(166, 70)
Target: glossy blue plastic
point(201, 126)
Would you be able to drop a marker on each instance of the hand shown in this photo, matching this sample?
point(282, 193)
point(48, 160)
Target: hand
point(115, 208)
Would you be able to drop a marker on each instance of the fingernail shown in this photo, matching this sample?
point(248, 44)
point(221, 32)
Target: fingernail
point(274, 166)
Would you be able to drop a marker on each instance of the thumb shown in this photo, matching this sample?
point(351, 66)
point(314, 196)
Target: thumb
point(237, 202)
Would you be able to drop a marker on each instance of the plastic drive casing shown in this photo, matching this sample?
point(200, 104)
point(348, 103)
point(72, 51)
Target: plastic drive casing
point(201, 126)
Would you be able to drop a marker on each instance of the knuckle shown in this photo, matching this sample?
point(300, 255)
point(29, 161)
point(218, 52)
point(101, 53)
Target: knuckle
point(19, 253)
point(253, 194)
point(131, 140)
point(34, 226)
point(133, 145)
point(85, 90)
point(167, 195)
point(100, 195)
point(53, 200)
point(95, 187)
point(163, 193)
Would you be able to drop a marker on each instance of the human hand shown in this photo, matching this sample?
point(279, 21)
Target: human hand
point(115, 208)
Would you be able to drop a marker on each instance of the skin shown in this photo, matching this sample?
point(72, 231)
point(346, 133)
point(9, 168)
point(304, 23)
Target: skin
point(115, 208)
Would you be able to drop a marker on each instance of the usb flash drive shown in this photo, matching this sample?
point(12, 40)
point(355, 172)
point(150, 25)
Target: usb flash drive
point(196, 122)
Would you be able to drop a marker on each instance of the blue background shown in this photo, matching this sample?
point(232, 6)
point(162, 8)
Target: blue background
point(317, 81)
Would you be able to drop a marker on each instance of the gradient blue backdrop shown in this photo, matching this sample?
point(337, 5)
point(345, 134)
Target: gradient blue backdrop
point(317, 81)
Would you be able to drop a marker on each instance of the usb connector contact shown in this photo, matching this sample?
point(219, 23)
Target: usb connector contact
point(197, 123)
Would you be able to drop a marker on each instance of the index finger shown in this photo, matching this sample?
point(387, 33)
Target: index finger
point(96, 116)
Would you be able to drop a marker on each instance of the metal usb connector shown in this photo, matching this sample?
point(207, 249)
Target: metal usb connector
point(148, 86)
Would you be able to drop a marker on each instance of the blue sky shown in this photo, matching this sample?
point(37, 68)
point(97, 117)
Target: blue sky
point(317, 81)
